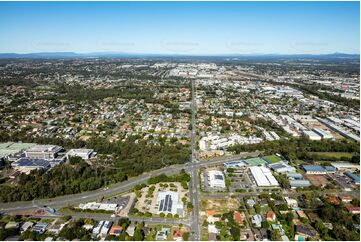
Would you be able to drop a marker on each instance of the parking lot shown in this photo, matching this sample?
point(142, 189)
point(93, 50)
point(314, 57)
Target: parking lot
point(343, 181)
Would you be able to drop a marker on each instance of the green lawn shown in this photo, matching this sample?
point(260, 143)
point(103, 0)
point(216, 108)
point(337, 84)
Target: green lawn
point(337, 155)
point(272, 158)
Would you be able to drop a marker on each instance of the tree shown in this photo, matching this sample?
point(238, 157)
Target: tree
point(257, 208)
point(162, 215)
point(185, 236)
point(138, 235)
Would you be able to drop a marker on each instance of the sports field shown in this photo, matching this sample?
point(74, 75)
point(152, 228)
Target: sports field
point(255, 161)
point(271, 158)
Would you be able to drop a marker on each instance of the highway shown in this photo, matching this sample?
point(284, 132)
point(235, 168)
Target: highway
point(193, 168)
point(74, 199)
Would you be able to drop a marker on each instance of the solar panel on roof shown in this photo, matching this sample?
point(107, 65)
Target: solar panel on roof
point(218, 177)
point(161, 205)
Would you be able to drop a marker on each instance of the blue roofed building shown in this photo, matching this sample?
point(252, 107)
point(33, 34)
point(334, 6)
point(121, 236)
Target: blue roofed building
point(25, 165)
point(314, 169)
point(355, 178)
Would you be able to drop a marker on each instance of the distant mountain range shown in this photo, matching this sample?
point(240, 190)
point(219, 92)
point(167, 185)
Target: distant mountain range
point(53, 55)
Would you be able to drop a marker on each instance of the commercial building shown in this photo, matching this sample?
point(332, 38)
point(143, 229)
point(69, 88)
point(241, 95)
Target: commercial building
point(26, 165)
point(234, 164)
point(85, 154)
point(314, 169)
point(216, 179)
point(169, 203)
point(43, 152)
point(263, 176)
point(99, 206)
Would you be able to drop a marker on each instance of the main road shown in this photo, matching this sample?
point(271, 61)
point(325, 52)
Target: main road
point(193, 167)
point(74, 199)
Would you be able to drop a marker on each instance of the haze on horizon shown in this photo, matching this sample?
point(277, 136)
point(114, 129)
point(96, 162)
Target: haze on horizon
point(181, 27)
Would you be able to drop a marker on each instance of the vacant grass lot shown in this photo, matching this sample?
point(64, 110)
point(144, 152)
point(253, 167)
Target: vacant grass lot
point(337, 155)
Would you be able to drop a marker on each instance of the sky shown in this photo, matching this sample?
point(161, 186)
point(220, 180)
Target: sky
point(180, 27)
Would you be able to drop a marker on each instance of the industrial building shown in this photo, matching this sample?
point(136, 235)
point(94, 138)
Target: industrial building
point(311, 135)
point(49, 152)
point(299, 183)
point(169, 203)
point(216, 179)
point(323, 133)
point(314, 169)
point(355, 178)
point(345, 166)
point(25, 165)
point(85, 154)
point(263, 176)
point(282, 167)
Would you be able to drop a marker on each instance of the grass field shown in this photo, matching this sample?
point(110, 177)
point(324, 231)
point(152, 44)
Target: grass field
point(337, 155)
point(255, 161)
point(272, 158)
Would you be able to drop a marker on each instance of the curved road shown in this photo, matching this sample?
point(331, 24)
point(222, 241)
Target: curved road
point(73, 199)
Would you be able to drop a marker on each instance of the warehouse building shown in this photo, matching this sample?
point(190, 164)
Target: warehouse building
point(311, 135)
point(263, 176)
point(216, 179)
point(355, 178)
point(323, 133)
point(345, 166)
point(282, 167)
point(43, 152)
point(314, 169)
point(299, 183)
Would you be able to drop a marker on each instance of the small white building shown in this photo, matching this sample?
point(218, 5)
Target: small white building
point(291, 203)
point(85, 154)
point(216, 179)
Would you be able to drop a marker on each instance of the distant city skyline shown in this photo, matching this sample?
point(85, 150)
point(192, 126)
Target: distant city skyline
point(186, 28)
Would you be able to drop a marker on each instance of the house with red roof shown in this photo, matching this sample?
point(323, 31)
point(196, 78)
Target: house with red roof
point(271, 216)
point(238, 217)
point(353, 209)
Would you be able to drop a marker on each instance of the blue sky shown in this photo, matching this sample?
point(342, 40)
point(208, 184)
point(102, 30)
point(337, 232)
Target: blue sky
point(181, 27)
